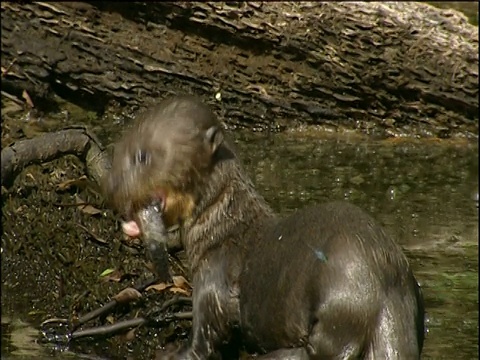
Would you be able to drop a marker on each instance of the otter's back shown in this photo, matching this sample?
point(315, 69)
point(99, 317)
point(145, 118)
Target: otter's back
point(330, 253)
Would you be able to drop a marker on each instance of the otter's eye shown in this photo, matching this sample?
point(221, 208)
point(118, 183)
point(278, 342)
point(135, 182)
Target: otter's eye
point(141, 157)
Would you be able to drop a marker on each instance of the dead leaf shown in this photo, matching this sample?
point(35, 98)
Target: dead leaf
point(29, 175)
point(127, 295)
point(85, 207)
point(27, 98)
point(90, 210)
point(80, 183)
point(130, 335)
point(177, 290)
point(159, 287)
point(181, 282)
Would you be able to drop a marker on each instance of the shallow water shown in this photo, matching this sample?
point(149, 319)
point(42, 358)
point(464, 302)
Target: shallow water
point(424, 193)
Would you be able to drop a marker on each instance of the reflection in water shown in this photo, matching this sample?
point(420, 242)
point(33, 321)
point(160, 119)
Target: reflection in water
point(19, 341)
point(425, 194)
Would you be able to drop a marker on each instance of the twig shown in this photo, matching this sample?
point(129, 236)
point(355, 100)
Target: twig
point(183, 315)
point(13, 98)
point(75, 141)
point(108, 307)
point(93, 235)
point(175, 300)
point(7, 69)
point(108, 329)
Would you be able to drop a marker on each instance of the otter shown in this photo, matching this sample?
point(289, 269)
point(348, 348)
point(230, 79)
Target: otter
point(326, 282)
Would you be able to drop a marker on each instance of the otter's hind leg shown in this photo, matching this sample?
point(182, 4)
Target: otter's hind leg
point(341, 330)
point(327, 343)
point(396, 334)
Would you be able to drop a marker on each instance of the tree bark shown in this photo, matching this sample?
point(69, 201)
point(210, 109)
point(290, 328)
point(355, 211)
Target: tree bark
point(75, 141)
point(385, 68)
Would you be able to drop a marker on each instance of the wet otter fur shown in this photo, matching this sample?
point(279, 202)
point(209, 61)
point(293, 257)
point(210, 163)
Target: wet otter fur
point(324, 283)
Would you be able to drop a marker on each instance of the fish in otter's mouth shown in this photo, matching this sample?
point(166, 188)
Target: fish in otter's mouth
point(135, 221)
point(150, 225)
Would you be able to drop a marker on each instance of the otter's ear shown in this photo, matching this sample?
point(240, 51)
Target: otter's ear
point(214, 138)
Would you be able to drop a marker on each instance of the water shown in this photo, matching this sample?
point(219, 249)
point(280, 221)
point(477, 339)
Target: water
point(425, 194)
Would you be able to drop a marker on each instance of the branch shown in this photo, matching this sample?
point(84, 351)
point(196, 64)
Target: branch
point(75, 141)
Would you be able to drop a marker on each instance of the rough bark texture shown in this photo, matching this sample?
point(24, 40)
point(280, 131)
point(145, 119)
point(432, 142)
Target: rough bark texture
point(388, 68)
point(52, 146)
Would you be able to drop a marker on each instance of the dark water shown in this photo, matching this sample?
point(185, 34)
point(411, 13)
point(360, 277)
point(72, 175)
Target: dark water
point(425, 193)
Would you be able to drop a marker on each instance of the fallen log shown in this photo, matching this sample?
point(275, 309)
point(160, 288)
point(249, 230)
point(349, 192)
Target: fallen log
point(396, 68)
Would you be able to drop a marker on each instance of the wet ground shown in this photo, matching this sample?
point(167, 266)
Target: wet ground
point(424, 192)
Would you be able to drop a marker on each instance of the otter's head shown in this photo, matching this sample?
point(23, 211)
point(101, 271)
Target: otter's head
point(164, 157)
